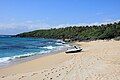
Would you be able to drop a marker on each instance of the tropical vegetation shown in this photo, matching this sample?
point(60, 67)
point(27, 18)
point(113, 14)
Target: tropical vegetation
point(103, 31)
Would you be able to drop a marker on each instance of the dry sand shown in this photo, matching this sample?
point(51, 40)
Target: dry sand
point(99, 60)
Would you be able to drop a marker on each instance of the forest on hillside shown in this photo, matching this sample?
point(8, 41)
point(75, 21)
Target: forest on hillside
point(103, 31)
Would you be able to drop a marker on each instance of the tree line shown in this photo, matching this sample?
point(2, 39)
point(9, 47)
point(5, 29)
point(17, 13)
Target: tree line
point(103, 31)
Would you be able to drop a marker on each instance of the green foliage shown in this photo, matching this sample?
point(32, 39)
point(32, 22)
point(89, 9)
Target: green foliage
point(107, 31)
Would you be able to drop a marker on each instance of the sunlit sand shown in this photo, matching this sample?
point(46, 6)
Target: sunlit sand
point(99, 60)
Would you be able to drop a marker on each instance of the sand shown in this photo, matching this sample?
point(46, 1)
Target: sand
point(99, 60)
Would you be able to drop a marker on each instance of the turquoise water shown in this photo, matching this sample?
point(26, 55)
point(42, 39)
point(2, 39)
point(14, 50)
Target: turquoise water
point(11, 47)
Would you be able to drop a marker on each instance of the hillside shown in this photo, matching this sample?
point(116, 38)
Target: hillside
point(103, 31)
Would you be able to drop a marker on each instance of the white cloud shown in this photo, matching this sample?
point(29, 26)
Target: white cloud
point(27, 24)
point(85, 24)
point(19, 27)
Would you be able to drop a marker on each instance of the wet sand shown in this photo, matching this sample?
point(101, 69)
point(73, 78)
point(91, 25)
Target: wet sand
point(99, 60)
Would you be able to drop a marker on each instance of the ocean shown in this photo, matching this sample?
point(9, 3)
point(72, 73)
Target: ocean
point(14, 47)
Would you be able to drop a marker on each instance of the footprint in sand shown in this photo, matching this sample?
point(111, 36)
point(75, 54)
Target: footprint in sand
point(51, 78)
point(66, 71)
point(62, 68)
point(52, 72)
point(45, 70)
point(52, 69)
point(59, 69)
point(48, 73)
point(43, 79)
point(3, 76)
point(86, 78)
point(97, 58)
point(34, 74)
point(45, 75)
point(56, 71)
point(22, 77)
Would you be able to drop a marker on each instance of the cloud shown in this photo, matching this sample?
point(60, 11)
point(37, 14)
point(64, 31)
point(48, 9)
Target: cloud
point(87, 24)
point(19, 27)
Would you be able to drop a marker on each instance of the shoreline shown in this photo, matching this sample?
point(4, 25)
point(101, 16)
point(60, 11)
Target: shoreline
point(99, 60)
point(42, 63)
point(17, 61)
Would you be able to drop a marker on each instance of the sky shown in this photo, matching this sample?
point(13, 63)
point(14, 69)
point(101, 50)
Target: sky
point(17, 16)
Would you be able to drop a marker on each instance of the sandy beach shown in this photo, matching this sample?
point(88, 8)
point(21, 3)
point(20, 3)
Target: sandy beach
point(99, 60)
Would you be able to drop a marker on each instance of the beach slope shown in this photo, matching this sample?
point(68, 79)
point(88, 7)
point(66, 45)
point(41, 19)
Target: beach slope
point(99, 60)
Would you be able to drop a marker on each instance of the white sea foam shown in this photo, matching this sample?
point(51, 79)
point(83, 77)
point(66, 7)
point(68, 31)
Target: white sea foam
point(30, 54)
point(42, 52)
point(5, 59)
point(58, 40)
point(59, 43)
point(67, 45)
point(24, 55)
point(49, 47)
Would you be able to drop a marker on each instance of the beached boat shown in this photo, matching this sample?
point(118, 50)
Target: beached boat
point(74, 50)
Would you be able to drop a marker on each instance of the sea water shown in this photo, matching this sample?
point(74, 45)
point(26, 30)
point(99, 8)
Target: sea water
point(14, 47)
